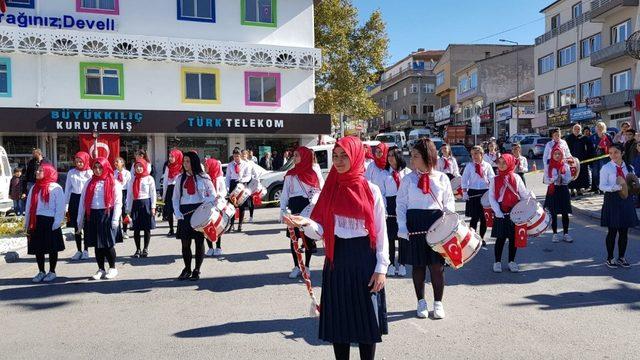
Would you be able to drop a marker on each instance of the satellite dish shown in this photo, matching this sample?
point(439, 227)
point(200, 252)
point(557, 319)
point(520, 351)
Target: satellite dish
point(633, 45)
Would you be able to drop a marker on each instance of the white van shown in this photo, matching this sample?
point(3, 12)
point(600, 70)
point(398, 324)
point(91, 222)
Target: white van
point(5, 179)
point(416, 134)
point(397, 138)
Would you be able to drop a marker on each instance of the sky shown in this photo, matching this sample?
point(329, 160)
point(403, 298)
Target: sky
point(433, 24)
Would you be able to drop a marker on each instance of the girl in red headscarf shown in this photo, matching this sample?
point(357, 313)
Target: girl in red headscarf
point(558, 200)
point(43, 222)
point(396, 171)
point(505, 191)
point(174, 168)
point(141, 206)
point(302, 185)
point(213, 168)
point(475, 183)
point(99, 215)
point(76, 180)
point(350, 217)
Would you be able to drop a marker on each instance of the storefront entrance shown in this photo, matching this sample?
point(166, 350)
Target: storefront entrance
point(19, 149)
point(206, 147)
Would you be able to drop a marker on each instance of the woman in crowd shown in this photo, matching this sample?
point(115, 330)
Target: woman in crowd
point(603, 143)
point(475, 182)
point(174, 168)
point(558, 199)
point(246, 157)
point(522, 165)
point(76, 180)
point(123, 176)
point(581, 147)
point(447, 162)
point(141, 206)
point(492, 155)
point(213, 168)
point(238, 172)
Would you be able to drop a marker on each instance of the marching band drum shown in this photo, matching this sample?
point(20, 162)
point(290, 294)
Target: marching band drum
point(456, 186)
point(574, 167)
point(243, 192)
point(454, 240)
point(486, 207)
point(213, 219)
point(529, 211)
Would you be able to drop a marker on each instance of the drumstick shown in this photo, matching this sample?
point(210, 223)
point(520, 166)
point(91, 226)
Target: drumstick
point(315, 307)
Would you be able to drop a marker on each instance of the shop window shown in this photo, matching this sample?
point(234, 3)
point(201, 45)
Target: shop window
point(262, 89)
point(259, 12)
point(206, 147)
point(5, 77)
point(66, 148)
point(101, 81)
point(29, 4)
point(19, 149)
point(200, 86)
point(197, 10)
point(98, 6)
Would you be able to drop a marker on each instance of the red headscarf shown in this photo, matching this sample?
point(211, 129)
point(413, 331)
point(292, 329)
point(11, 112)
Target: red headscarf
point(175, 168)
point(138, 180)
point(346, 195)
point(304, 169)
point(86, 160)
point(214, 169)
point(604, 143)
point(41, 188)
point(109, 185)
point(504, 178)
point(553, 164)
point(368, 154)
point(381, 162)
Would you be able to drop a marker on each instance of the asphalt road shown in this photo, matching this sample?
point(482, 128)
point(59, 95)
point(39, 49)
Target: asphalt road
point(564, 304)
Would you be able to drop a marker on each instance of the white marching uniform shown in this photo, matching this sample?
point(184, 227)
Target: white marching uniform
point(453, 168)
point(491, 158)
point(524, 165)
point(205, 192)
point(126, 177)
point(55, 208)
point(521, 189)
point(147, 191)
point(546, 156)
point(472, 181)
point(244, 174)
point(76, 180)
point(98, 202)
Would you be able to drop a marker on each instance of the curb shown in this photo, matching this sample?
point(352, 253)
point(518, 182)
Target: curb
point(595, 215)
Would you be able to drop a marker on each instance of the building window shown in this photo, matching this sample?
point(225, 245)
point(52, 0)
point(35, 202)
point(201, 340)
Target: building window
point(5, 77)
point(414, 109)
point(621, 81)
point(101, 81)
point(429, 88)
point(259, 12)
point(427, 109)
point(576, 10)
point(197, 10)
point(473, 82)
point(98, 6)
point(545, 102)
point(395, 95)
point(404, 91)
point(440, 78)
point(262, 89)
point(30, 4)
point(200, 86)
point(555, 22)
point(567, 96)
point(545, 64)
point(467, 112)
point(463, 84)
point(414, 88)
point(590, 45)
point(567, 55)
point(589, 89)
point(620, 32)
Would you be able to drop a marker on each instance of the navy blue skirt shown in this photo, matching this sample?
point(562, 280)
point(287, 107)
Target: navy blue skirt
point(503, 228)
point(141, 217)
point(392, 221)
point(167, 209)
point(43, 240)
point(98, 232)
point(74, 203)
point(420, 253)
point(350, 313)
point(185, 231)
point(474, 206)
point(559, 202)
point(618, 213)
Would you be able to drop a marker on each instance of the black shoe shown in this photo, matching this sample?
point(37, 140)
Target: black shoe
point(484, 245)
point(145, 253)
point(171, 233)
point(611, 264)
point(239, 229)
point(623, 262)
point(136, 254)
point(185, 274)
point(195, 276)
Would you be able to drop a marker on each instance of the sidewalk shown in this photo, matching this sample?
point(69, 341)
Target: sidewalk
point(590, 206)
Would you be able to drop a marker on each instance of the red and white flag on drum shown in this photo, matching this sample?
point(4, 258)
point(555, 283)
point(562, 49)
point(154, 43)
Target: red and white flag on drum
point(488, 216)
point(521, 236)
point(454, 251)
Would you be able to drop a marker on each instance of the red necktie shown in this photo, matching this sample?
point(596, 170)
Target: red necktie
point(120, 179)
point(619, 171)
point(479, 170)
point(237, 168)
point(190, 185)
point(446, 163)
point(423, 183)
point(396, 178)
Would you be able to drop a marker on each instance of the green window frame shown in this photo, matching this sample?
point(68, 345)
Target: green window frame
point(274, 15)
point(101, 71)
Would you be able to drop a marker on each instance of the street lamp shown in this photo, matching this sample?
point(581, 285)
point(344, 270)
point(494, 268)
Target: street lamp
point(517, 81)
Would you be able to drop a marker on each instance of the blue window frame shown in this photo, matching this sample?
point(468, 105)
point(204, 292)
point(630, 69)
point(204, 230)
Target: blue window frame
point(197, 10)
point(29, 4)
point(5, 77)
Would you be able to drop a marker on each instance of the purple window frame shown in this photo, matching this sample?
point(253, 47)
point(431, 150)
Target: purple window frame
point(116, 10)
point(250, 74)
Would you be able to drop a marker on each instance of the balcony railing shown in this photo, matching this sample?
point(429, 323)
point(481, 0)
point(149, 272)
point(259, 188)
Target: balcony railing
point(467, 94)
point(585, 17)
point(608, 54)
point(600, 7)
point(403, 74)
point(617, 100)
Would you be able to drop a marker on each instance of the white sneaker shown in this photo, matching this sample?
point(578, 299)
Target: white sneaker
point(125, 236)
point(513, 267)
point(567, 238)
point(251, 219)
point(422, 310)
point(217, 252)
point(39, 277)
point(556, 238)
point(402, 271)
point(209, 252)
point(112, 273)
point(76, 256)
point(438, 310)
point(85, 255)
point(50, 277)
point(497, 267)
point(99, 275)
point(295, 273)
point(391, 271)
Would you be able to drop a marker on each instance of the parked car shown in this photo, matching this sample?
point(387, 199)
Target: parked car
point(533, 147)
point(5, 179)
point(416, 134)
point(394, 138)
point(516, 138)
point(462, 156)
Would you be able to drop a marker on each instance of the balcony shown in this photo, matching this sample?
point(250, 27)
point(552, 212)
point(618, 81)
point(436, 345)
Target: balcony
point(616, 100)
point(469, 94)
point(585, 17)
point(609, 53)
point(600, 9)
point(404, 73)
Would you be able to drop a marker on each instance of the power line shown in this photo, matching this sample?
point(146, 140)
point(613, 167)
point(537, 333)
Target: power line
point(506, 31)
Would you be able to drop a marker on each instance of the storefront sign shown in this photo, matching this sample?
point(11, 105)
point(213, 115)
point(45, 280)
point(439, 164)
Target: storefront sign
point(581, 114)
point(594, 102)
point(58, 22)
point(443, 113)
point(486, 113)
point(418, 123)
point(526, 111)
point(443, 122)
point(157, 121)
point(558, 116)
point(504, 113)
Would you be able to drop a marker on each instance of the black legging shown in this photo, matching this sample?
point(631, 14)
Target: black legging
point(170, 220)
point(499, 245)
point(53, 261)
point(565, 223)
point(437, 280)
point(147, 238)
point(483, 225)
point(187, 254)
point(250, 206)
point(78, 237)
point(307, 256)
point(125, 226)
point(367, 351)
point(218, 243)
point(109, 254)
point(622, 242)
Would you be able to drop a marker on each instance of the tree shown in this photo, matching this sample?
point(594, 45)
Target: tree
point(353, 58)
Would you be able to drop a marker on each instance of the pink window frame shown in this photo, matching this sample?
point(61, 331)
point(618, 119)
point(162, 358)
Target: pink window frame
point(250, 74)
point(116, 10)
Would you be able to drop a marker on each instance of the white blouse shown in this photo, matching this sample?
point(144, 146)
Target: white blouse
point(75, 182)
point(126, 177)
point(166, 182)
point(471, 180)
point(390, 187)
point(524, 165)
point(491, 158)
point(205, 192)
point(244, 175)
point(522, 190)
point(453, 166)
point(98, 202)
point(294, 187)
point(379, 177)
point(410, 196)
point(147, 191)
point(346, 228)
point(608, 177)
point(546, 156)
point(55, 208)
point(563, 179)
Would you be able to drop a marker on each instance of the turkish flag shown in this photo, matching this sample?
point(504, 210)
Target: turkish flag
point(3, 6)
point(108, 146)
point(257, 199)
point(454, 251)
point(521, 236)
point(488, 216)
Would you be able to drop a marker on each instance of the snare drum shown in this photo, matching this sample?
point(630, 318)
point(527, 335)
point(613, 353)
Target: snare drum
point(450, 237)
point(529, 211)
point(574, 167)
point(486, 209)
point(456, 186)
point(239, 195)
point(212, 219)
